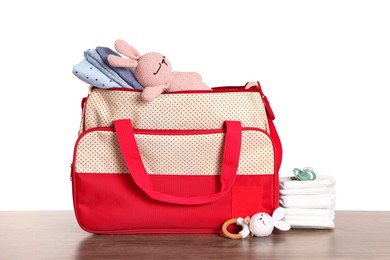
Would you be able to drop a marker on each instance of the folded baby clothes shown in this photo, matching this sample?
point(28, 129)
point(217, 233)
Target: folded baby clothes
point(93, 57)
point(91, 75)
point(324, 201)
point(309, 203)
point(312, 224)
point(125, 73)
point(312, 191)
point(287, 183)
point(324, 217)
point(309, 212)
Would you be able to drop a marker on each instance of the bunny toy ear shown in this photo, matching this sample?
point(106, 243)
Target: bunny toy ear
point(124, 48)
point(278, 214)
point(282, 225)
point(116, 61)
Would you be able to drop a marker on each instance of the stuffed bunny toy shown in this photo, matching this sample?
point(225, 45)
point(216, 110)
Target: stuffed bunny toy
point(260, 225)
point(154, 71)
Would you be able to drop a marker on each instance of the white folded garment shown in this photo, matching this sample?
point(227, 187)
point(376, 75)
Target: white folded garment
point(324, 201)
point(321, 181)
point(308, 212)
point(309, 218)
point(310, 191)
point(312, 224)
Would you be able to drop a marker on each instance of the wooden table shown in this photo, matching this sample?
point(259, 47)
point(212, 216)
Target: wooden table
point(56, 235)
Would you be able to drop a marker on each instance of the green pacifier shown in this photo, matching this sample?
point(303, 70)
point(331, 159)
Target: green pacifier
point(306, 174)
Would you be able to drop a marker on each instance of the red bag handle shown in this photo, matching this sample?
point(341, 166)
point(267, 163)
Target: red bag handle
point(231, 154)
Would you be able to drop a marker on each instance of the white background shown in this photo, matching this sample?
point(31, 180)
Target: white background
point(324, 66)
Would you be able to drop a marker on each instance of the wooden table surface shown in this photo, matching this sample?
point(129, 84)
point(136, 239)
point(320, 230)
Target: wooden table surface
point(56, 235)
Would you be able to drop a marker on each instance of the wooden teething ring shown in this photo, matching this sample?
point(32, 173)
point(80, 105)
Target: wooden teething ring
point(227, 233)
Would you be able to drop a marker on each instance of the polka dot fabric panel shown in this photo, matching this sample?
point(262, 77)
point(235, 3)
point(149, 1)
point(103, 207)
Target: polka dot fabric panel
point(175, 111)
point(98, 152)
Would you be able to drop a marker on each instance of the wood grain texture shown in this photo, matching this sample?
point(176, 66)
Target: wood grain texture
point(56, 235)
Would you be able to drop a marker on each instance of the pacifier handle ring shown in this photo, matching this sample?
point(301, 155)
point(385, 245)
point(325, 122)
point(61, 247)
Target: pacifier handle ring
point(227, 233)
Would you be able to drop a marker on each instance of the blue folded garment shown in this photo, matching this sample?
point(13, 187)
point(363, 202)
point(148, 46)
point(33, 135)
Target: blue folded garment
point(125, 73)
point(91, 75)
point(94, 58)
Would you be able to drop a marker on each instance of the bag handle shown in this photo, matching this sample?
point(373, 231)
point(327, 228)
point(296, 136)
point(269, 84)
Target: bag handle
point(231, 154)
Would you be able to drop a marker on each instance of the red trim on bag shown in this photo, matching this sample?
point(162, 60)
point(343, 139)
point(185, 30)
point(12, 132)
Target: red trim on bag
point(278, 154)
point(191, 132)
point(84, 103)
point(171, 131)
point(212, 90)
point(267, 106)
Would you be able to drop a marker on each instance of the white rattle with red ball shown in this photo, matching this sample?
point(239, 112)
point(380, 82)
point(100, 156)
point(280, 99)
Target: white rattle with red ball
point(260, 225)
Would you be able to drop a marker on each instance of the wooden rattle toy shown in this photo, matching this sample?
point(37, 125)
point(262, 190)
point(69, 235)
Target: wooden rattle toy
point(260, 225)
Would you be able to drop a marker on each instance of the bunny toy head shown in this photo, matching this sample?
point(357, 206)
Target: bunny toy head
point(153, 69)
point(260, 225)
point(150, 69)
point(154, 72)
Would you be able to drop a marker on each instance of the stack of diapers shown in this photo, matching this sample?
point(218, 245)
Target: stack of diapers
point(308, 204)
point(97, 71)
